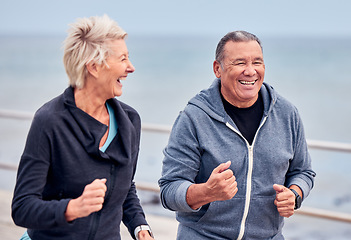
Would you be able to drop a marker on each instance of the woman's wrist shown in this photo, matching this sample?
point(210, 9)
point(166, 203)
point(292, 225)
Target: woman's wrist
point(70, 214)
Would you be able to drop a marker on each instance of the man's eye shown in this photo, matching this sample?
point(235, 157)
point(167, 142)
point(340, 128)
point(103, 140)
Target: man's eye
point(240, 63)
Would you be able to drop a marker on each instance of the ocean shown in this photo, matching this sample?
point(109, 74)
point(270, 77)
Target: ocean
point(312, 72)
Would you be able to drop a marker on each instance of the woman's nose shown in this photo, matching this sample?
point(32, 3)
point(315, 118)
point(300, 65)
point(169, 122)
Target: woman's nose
point(130, 67)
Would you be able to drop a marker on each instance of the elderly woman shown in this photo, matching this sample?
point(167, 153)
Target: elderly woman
point(75, 178)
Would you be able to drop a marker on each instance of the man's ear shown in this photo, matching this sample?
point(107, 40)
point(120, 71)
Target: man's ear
point(93, 69)
point(217, 69)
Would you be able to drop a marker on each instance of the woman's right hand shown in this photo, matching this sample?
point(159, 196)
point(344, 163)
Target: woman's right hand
point(90, 201)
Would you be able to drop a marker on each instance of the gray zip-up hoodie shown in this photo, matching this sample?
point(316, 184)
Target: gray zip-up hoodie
point(204, 136)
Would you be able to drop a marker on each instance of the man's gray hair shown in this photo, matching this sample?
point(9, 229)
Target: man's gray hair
point(236, 36)
point(88, 40)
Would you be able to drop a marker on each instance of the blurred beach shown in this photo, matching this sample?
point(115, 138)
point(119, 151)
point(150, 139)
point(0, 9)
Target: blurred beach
point(313, 73)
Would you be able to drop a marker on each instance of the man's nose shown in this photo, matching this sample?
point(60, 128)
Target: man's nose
point(250, 70)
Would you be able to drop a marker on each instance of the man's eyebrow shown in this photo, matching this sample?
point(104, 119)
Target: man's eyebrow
point(238, 60)
point(258, 58)
point(244, 59)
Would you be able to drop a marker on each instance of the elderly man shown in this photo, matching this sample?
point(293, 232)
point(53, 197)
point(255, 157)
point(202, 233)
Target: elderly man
point(237, 161)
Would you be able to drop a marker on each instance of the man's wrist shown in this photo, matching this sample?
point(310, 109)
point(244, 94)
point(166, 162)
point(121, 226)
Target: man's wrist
point(298, 199)
point(197, 196)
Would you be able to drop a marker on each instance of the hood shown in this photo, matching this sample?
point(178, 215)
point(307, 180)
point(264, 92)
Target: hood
point(209, 100)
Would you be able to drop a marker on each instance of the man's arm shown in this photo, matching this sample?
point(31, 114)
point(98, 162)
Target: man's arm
point(220, 186)
point(285, 199)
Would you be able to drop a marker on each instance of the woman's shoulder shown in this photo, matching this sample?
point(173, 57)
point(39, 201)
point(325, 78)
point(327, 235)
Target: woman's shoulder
point(49, 109)
point(129, 110)
point(125, 112)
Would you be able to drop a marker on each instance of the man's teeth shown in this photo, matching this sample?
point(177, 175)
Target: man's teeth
point(247, 82)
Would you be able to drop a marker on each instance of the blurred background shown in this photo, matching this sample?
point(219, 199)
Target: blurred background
point(307, 54)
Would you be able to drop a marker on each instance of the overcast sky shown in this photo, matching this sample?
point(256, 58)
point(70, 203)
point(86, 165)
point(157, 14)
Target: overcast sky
point(262, 17)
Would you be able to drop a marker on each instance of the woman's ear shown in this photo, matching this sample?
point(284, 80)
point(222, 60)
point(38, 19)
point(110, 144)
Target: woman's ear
point(93, 69)
point(217, 68)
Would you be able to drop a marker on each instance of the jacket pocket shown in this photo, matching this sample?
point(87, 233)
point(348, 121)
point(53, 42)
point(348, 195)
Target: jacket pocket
point(263, 218)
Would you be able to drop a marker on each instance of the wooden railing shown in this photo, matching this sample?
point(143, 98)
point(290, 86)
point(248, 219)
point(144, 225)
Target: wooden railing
point(312, 144)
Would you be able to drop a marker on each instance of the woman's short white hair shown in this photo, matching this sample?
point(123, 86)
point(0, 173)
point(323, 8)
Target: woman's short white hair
point(88, 41)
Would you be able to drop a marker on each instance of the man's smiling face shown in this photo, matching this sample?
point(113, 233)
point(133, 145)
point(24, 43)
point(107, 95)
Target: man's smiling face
point(241, 72)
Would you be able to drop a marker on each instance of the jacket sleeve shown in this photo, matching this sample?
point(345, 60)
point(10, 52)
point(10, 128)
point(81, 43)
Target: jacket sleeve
point(181, 164)
point(133, 214)
point(300, 171)
point(28, 207)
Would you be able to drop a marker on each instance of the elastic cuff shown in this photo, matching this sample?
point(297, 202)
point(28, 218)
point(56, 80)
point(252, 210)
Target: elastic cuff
point(60, 212)
point(302, 185)
point(181, 198)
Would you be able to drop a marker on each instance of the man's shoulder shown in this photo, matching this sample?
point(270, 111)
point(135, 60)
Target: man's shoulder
point(284, 103)
point(278, 99)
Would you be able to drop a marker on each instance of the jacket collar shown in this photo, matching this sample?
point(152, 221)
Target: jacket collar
point(210, 100)
point(89, 131)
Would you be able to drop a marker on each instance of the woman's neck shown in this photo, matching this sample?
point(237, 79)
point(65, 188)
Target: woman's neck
point(89, 102)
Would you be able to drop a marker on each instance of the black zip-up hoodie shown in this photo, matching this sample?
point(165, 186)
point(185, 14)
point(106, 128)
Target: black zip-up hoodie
point(61, 157)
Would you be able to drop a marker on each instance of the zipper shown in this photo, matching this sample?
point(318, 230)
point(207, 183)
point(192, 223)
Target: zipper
point(97, 215)
point(112, 183)
point(248, 193)
point(95, 225)
point(248, 178)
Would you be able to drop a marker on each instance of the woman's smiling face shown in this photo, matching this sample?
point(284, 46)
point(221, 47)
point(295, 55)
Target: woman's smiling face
point(117, 69)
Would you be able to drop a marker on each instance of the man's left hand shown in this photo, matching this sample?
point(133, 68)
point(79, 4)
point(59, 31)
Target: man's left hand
point(284, 200)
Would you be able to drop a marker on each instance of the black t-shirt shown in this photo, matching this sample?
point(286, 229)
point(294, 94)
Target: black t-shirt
point(246, 119)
